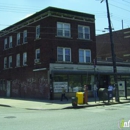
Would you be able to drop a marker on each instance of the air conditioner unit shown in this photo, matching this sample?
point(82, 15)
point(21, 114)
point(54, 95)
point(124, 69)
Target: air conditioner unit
point(37, 60)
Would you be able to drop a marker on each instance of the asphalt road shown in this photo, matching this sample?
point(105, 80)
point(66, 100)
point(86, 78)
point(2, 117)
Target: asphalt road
point(92, 118)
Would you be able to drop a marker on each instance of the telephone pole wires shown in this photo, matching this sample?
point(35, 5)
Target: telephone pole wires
point(112, 52)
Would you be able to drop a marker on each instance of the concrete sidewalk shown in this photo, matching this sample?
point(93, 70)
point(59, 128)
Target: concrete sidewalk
point(33, 104)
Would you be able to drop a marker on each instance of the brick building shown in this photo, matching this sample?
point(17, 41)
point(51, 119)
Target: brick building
point(50, 49)
point(121, 40)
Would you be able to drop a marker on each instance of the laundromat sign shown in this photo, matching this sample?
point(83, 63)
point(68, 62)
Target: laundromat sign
point(58, 86)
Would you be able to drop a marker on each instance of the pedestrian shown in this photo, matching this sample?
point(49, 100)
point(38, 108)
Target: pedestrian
point(63, 94)
point(95, 88)
point(110, 92)
point(85, 94)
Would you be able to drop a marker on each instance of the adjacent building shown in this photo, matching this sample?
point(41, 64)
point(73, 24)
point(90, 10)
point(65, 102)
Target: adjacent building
point(121, 40)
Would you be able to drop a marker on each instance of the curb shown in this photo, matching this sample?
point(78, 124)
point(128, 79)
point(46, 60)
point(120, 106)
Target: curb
point(83, 106)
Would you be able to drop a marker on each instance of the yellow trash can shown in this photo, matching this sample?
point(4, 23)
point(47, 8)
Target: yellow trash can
point(80, 97)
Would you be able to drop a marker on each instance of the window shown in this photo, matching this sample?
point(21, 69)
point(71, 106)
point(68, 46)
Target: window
point(84, 56)
point(63, 29)
point(10, 61)
point(17, 60)
point(64, 54)
point(5, 44)
point(10, 42)
point(25, 58)
point(38, 31)
point(24, 36)
point(83, 32)
point(5, 62)
point(37, 54)
point(18, 38)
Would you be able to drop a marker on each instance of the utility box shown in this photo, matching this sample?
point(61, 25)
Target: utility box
point(80, 96)
point(103, 94)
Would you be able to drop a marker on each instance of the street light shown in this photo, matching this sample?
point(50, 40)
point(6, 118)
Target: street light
point(113, 52)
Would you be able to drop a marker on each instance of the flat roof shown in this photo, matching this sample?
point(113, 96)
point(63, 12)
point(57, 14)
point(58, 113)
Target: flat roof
point(54, 9)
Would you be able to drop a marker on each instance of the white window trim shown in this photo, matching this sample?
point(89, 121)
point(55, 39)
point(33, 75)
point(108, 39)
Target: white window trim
point(64, 54)
point(18, 60)
point(5, 62)
point(5, 44)
point(10, 61)
point(24, 58)
point(84, 51)
point(25, 36)
point(83, 31)
point(10, 42)
point(63, 30)
point(37, 34)
point(18, 38)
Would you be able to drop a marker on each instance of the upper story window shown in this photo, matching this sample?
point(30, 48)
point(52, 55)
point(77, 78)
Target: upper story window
point(10, 61)
point(84, 56)
point(24, 36)
point(63, 54)
point(17, 60)
point(5, 62)
point(37, 56)
point(38, 31)
point(25, 58)
point(10, 42)
point(18, 38)
point(5, 44)
point(63, 29)
point(83, 32)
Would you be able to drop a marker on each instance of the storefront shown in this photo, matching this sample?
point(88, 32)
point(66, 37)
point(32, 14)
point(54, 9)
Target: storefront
point(73, 79)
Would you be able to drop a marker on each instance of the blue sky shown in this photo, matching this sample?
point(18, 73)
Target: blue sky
point(12, 11)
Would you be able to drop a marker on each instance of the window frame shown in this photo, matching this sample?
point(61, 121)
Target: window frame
point(84, 55)
point(63, 29)
point(64, 54)
point(24, 58)
point(5, 62)
point(5, 43)
point(37, 31)
point(10, 61)
point(18, 38)
point(10, 41)
point(36, 54)
point(18, 60)
point(25, 36)
point(83, 32)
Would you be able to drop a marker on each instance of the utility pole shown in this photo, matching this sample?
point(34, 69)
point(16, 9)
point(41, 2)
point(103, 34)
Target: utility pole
point(112, 52)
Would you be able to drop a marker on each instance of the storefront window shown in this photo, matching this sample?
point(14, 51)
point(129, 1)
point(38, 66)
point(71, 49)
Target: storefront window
point(88, 80)
point(75, 83)
point(60, 78)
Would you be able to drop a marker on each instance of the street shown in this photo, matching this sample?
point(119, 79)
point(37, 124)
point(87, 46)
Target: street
point(90, 118)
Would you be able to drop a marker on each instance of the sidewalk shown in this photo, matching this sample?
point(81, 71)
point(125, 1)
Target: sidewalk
point(33, 104)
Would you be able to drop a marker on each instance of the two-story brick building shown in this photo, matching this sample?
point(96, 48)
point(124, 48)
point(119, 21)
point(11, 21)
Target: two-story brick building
point(50, 49)
point(121, 40)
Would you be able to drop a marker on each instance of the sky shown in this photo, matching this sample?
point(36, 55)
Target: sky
point(12, 11)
